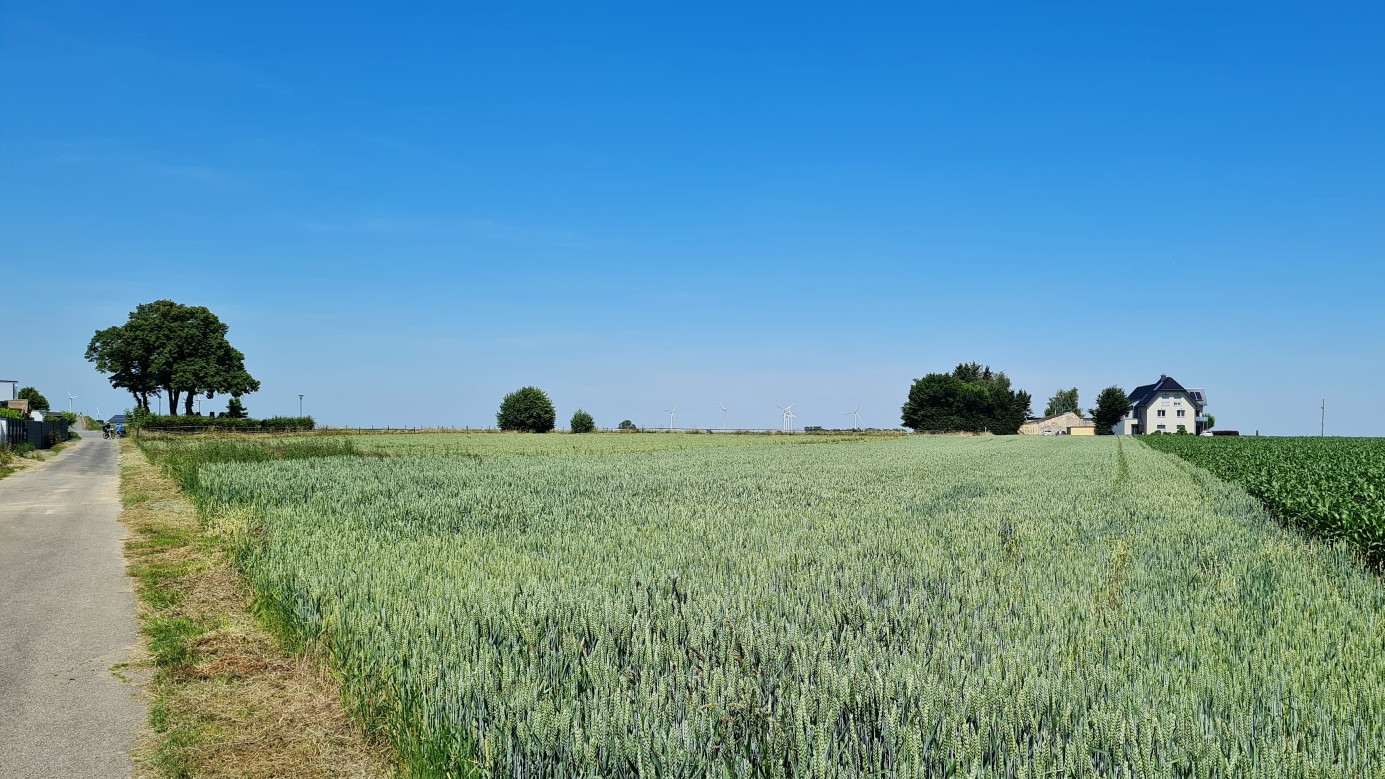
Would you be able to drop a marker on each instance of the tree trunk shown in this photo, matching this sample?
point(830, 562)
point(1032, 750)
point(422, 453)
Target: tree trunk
point(187, 408)
point(172, 401)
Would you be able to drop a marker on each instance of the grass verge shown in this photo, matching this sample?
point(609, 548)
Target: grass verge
point(228, 698)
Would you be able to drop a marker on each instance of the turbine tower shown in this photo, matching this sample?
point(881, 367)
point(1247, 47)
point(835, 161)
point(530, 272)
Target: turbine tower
point(788, 416)
point(672, 412)
point(723, 414)
point(855, 417)
point(70, 398)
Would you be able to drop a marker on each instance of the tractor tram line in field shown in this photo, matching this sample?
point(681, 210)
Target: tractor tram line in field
point(809, 606)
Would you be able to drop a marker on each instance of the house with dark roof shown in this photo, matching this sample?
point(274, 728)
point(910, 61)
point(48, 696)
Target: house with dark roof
point(1163, 407)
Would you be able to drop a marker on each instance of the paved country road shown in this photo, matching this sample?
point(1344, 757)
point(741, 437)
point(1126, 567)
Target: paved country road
point(67, 615)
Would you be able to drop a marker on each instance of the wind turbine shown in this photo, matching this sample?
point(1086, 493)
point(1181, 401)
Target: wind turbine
point(70, 398)
point(672, 412)
point(723, 414)
point(856, 417)
point(788, 415)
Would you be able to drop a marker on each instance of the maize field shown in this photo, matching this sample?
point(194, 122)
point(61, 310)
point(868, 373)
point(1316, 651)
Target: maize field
point(1332, 487)
point(800, 606)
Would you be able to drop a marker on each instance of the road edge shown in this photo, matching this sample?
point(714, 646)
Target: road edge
point(227, 697)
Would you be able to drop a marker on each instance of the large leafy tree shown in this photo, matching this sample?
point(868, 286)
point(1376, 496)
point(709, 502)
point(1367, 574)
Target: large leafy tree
point(1111, 406)
point(37, 402)
point(527, 409)
point(1063, 401)
point(167, 347)
point(972, 398)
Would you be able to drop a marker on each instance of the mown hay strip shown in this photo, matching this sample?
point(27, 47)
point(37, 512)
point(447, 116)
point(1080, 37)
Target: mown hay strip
point(229, 700)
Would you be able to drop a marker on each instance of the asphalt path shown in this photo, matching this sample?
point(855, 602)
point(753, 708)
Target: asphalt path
point(67, 617)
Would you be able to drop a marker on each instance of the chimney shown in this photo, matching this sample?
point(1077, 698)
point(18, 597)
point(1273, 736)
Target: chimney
point(1163, 375)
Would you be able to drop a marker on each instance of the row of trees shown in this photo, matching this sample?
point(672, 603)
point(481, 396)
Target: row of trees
point(182, 351)
point(1111, 405)
point(975, 399)
point(529, 410)
point(175, 350)
point(972, 398)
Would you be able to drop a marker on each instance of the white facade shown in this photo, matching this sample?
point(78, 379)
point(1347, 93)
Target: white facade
point(1168, 412)
point(1163, 407)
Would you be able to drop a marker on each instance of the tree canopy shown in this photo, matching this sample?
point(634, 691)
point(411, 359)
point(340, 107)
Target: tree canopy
point(37, 402)
point(582, 422)
point(169, 348)
point(972, 398)
point(1063, 401)
point(527, 409)
point(1111, 406)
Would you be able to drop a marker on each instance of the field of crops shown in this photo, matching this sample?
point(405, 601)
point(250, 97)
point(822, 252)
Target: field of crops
point(814, 607)
point(1332, 487)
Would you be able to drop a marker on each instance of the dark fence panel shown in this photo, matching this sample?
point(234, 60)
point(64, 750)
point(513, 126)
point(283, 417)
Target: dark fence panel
point(43, 435)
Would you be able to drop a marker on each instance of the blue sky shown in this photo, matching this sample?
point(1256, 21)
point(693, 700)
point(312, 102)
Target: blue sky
point(404, 214)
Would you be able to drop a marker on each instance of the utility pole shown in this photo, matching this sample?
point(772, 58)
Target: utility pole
point(1322, 422)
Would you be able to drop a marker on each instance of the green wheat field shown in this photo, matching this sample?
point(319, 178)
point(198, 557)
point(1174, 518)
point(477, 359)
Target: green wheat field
point(810, 606)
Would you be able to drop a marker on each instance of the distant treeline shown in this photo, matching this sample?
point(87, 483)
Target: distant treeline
point(272, 424)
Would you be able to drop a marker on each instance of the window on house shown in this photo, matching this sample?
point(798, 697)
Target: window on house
point(1182, 413)
point(1161, 412)
point(1160, 427)
point(1182, 427)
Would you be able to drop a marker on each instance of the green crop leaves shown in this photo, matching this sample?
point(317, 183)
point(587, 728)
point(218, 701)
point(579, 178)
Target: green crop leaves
point(1331, 487)
point(692, 606)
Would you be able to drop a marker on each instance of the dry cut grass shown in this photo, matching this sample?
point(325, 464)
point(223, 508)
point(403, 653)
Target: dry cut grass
point(228, 698)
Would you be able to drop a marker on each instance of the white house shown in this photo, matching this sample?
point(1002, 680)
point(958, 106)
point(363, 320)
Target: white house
point(1163, 407)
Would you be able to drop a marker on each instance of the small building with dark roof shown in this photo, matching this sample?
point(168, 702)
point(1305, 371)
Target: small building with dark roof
point(1164, 406)
point(1066, 423)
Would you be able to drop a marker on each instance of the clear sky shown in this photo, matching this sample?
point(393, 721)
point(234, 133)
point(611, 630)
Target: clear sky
point(404, 214)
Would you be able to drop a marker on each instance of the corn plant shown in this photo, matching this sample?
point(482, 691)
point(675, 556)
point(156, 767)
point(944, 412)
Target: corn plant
point(1332, 487)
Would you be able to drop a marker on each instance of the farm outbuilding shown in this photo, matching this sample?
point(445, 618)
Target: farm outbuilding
point(1066, 423)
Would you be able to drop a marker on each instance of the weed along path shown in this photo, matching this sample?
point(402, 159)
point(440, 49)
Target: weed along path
point(67, 616)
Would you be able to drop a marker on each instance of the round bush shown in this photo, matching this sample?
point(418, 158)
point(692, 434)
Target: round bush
point(527, 409)
point(582, 422)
